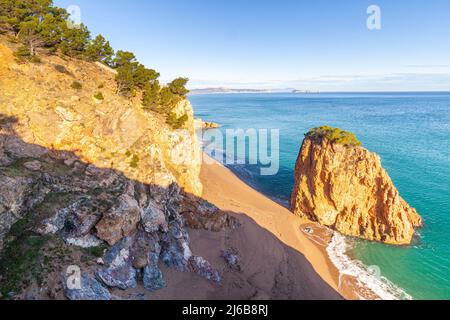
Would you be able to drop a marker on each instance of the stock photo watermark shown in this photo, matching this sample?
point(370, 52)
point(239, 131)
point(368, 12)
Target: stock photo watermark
point(254, 147)
point(74, 19)
point(374, 19)
point(73, 278)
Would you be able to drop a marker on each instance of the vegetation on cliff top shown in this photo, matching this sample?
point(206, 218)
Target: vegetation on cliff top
point(335, 135)
point(42, 28)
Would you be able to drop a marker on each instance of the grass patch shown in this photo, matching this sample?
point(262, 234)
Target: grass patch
point(57, 168)
point(96, 252)
point(134, 162)
point(335, 135)
point(175, 122)
point(20, 261)
point(35, 59)
point(76, 85)
point(17, 169)
point(27, 256)
point(61, 69)
point(99, 96)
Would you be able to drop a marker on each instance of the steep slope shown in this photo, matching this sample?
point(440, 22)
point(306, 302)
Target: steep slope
point(98, 184)
point(112, 133)
point(346, 188)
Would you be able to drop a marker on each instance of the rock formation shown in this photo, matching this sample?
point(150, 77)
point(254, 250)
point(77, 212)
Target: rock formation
point(344, 187)
point(113, 133)
point(102, 185)
point(206, 125)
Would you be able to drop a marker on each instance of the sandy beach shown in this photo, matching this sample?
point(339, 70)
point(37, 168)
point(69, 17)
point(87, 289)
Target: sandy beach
point(278, 259)
point(272, 242)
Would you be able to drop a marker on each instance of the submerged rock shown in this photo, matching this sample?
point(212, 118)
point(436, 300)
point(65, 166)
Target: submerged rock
point(346, 188)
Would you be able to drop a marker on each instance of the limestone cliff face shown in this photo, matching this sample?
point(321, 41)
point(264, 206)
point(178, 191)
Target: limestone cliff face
point(347, 189)
point(79, 173)
point(113, 133)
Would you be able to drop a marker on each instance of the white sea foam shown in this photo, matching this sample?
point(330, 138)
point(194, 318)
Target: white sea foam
point(366, 277)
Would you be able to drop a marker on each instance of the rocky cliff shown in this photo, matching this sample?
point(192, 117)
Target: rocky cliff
point(345, 188)
point(95, 183)
point(55, 106)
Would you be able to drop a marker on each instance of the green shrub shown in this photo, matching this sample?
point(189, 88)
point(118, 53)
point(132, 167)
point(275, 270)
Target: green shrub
point(99, 96)
point(35, 59)
point(134, 162)
point(23, 53)
point(175, 122)
point(61, 69)
point(335, 135)
point(76, 85)
point(178, 86)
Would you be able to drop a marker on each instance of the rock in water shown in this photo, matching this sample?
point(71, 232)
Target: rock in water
point(344, 187)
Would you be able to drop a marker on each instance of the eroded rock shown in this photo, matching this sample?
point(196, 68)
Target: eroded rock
point(346, 188)
point(90, 289)
point(204, 269)
point(120, 222)
point(119, 272)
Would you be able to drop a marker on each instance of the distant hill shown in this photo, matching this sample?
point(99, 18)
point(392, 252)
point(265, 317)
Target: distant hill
point(231, 90)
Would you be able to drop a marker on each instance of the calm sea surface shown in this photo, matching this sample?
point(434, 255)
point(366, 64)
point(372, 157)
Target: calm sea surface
point(411, 133)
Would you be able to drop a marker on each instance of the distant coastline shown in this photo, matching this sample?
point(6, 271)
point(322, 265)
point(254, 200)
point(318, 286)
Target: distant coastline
point(221, 90)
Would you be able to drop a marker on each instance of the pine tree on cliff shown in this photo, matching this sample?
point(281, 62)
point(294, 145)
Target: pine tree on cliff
point(14, 12)
point(100, 50)
point(151, 99)
point(178, 86)
point(131, 75)
point(74, 41)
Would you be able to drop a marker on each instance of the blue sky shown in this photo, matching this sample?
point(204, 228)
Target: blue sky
point(312, 45)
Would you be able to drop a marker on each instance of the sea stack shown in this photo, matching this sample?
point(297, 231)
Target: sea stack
point(342, 185)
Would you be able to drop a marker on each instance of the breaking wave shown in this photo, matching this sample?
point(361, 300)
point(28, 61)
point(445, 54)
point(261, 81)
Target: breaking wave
point(366, 277)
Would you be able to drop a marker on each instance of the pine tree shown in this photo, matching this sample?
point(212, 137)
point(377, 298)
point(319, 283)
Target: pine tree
point(100, 50)
point(150, 98)
point(74, 40)
point(29, 34)
point(178, 86)
point(131, 75)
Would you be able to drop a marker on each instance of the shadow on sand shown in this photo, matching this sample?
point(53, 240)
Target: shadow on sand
point(36, 183)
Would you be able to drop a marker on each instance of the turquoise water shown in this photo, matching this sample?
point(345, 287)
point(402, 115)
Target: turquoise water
point(411, 133)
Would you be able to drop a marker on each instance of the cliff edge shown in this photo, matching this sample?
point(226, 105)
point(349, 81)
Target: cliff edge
point(90, 179)
point(57, 105)
point(343, 186)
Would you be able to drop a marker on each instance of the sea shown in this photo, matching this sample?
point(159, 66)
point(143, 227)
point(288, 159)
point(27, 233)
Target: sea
point(410, 132)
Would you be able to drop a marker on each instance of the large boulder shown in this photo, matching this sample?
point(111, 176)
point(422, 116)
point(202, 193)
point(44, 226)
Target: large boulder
point(90, 289)
point(121, 221)
point(119, 271)
point(345, 187)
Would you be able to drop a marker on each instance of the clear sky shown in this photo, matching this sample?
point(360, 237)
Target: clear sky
point(305, 44)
